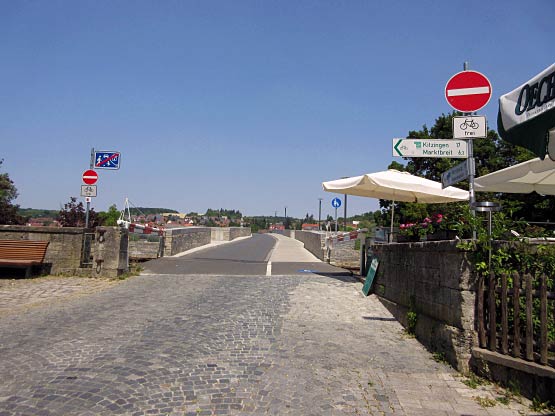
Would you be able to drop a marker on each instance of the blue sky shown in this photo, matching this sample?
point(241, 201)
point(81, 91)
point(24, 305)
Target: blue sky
point(245, 105)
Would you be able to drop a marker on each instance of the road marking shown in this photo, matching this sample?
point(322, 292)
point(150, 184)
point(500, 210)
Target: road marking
point(269, 268)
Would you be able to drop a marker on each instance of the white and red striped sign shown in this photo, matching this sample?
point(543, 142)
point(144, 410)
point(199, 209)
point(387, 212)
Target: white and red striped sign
point(90, 177)
point(468, 91)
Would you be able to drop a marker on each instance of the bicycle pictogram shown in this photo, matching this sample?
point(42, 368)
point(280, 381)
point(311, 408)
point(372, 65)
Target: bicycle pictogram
point(469, 123)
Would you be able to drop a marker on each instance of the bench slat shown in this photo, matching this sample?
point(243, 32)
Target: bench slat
point(22, 252)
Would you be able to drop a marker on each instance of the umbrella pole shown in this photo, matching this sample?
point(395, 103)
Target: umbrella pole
point(391, 225)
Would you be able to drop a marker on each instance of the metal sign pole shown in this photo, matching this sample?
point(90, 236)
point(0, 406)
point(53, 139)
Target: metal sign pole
point(91, 166)
point(471, 195)
point(335, 220)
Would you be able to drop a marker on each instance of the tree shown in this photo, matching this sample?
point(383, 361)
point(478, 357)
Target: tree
point(491, 154)
point(8, 192)
point(73, 215)
point(109, 218)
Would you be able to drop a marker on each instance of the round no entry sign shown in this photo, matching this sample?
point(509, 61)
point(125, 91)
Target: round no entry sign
point(90, 177)
point(468, 91)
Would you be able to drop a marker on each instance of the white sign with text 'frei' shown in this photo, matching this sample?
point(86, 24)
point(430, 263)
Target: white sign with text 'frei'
point(454, 149)
point(469, 127)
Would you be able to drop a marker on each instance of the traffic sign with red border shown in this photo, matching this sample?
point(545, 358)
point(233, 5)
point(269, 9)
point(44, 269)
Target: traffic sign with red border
point(468, 91)
point(90, 177)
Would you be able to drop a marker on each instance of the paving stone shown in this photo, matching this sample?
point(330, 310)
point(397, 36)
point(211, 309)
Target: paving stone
point(208, 345)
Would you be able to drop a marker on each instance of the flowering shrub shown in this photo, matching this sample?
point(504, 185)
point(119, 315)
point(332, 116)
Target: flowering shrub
point(420, 229)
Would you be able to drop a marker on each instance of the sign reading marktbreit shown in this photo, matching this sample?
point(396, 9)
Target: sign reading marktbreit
point(453, 149)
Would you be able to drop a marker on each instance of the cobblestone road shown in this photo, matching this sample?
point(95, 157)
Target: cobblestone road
point(190, 345)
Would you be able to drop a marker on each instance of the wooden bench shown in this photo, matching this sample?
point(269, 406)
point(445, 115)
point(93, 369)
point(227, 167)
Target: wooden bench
point(22, 254)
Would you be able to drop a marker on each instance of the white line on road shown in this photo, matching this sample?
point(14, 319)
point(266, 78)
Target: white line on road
point(269, 268)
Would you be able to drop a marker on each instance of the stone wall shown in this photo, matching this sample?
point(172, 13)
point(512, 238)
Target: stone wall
point(110, 252)
point(313, 242)
point(236, 232)
point(345, 255)
point(183, 239)
point(228, 233)
point(433, 279)
point(64, 251)
point(143, 250)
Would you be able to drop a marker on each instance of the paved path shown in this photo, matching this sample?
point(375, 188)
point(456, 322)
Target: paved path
point(186, 344)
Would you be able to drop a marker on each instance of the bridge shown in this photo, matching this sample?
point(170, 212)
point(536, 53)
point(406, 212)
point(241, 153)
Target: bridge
point(253, 326)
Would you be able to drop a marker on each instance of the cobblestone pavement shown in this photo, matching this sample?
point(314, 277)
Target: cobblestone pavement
point(17, 295)
point(249, 345)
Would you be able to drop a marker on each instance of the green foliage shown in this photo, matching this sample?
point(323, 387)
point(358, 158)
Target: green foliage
point(37, 213)
point(73, 215)
point(491, 154)
point(473, 381)
point(229, 213)
point(412, 317)
point(110, 217)
point(8, 192)
point(485, 401)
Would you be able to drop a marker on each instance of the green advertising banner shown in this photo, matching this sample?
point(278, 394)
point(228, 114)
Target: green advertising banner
point(370, 276)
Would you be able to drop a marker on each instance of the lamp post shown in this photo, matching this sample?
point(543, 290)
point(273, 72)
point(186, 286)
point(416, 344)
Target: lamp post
point(285, 221)
point(319, 214)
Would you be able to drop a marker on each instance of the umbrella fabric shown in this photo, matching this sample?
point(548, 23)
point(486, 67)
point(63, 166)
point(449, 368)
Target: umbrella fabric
point(533, 175)
point(527, 113)
point(397, 186)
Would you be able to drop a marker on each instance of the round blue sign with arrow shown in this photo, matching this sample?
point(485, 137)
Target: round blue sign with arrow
point(336, 202)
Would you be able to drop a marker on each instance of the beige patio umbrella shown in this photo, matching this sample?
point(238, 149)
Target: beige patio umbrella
point(533, 175)
point(396, 186)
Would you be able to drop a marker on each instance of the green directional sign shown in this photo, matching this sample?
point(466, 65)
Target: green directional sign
point(453, 149)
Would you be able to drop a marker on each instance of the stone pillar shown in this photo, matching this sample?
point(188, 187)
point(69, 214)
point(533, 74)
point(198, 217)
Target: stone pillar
point(111, 257)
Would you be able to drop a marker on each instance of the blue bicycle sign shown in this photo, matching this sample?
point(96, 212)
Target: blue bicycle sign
point(336, 202)
point(106, 159)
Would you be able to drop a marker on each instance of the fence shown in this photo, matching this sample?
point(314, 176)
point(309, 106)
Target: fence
point(516, 316)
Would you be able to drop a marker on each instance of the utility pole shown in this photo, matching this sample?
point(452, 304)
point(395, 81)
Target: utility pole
point(285, 221)
point(319, 214)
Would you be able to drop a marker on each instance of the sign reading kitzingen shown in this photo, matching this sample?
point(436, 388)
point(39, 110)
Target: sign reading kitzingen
point(453, 149)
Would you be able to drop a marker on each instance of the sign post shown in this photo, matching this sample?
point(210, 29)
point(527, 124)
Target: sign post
point(468, 91)
point(336, 203)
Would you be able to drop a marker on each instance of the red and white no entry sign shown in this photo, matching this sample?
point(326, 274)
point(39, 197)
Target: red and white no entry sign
point(468, 91)
point(90, 177)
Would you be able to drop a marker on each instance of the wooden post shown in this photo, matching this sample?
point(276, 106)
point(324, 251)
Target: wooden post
point(481, 322)
point(491, 313)
point(516, 309)
point(504, 316)
point(543, 319)
point(529, 325)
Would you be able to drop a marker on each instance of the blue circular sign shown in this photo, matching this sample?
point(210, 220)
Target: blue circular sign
point(336, 202)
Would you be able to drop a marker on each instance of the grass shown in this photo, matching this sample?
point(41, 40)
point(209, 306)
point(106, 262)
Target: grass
point(439, 357)
point(473, 381)
point(485, 401)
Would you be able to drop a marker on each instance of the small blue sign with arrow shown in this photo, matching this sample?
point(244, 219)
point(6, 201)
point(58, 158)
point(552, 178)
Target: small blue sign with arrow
point(106, 159)
point(336, 202)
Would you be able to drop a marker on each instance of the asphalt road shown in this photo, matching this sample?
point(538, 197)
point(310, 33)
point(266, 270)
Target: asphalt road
point(248, 257)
